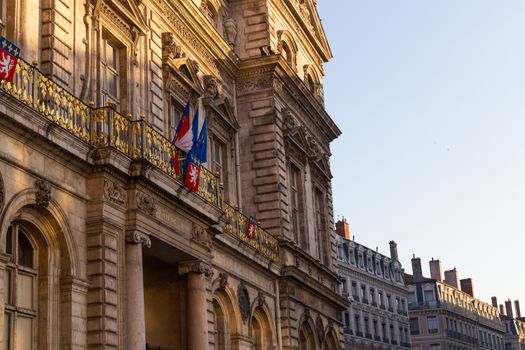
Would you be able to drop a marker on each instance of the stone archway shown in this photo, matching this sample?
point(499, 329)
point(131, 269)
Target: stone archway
point(307, 336)
point(261, 330)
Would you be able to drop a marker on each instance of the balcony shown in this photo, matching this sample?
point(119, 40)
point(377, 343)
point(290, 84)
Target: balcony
point(104, 128)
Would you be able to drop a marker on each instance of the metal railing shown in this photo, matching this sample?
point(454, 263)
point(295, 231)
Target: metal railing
point(104, 127)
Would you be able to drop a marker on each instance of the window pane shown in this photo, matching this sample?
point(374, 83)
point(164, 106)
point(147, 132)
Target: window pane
point(9, 241)
point(24, 333)
point(8, 277)
point(112, 83)
point(7, 330)
point(111, 56)
point(25, 291)
point(25, 251)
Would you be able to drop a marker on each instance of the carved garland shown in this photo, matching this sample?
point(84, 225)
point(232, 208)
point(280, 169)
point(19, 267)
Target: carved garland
point(43, 193)
point(114, 193)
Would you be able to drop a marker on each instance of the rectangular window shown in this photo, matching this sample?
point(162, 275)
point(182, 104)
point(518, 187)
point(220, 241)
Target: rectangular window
point(414, 325)
point(429, 295)
point(319, 221)
point(411, 298)
point(295, 198)
point(112, 77)
point(24, 333)
point(432, 324)
point(174, 115)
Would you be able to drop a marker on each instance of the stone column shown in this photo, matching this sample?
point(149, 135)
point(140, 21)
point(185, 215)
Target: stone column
point(136, 325)
point(3, 288)
point(197, 320)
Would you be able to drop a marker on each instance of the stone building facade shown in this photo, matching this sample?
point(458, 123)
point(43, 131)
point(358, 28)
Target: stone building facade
point(377, 315)
point(102, 246)
point(514, 324)
point(444, 313)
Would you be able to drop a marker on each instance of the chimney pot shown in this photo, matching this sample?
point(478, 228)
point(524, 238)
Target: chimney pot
point(343, 229)
point(417, 271)
point(393, 251)
point(435, 270)
point(517, 308)
point(494, 301)
point(467, 286)
point(452, 278)
point(508, 308)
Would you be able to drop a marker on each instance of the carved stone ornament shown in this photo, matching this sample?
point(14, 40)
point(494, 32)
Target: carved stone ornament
point(230, 29)
point(146, 203)
point(115, 193)
point(210, 87)
point(137, 237)
point(261, 299)
point(43, 193)
point(200, 235)
point(2, 193)
point(170, 48)
point(199, 267)
point(223, 279)
point(320, 330)
point(244, 301)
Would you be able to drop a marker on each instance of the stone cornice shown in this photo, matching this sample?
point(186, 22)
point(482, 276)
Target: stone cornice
point(193, 29)
point(273, 72)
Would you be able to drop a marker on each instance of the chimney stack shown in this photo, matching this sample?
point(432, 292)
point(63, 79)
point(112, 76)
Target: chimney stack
point(393, 251)
point(517, 308)
point(502, 310)
point(435, 270)
point(343, 229)
point(508, 308)
point(494, 301)
point(452, 278)
point(467, 286)
point(417, 271)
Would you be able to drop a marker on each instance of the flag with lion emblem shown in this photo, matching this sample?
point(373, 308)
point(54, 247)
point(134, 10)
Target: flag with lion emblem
point(9, 53)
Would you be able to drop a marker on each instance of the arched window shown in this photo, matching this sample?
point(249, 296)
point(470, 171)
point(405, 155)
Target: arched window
point(20, 296)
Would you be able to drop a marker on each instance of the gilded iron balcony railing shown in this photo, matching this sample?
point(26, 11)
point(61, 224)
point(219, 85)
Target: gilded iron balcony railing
point(105, 127)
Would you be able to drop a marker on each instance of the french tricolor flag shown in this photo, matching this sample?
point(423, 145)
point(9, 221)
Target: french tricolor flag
point(183, 138)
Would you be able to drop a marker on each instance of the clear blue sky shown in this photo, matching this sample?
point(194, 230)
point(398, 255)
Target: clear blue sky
point(430, 96)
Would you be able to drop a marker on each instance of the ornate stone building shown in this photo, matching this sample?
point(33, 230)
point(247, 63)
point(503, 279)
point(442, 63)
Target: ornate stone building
point(444, 313)
point(514, 324)
point(377, 315)
point(102, 246)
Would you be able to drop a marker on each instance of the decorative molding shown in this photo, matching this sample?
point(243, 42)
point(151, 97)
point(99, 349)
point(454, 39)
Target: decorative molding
point(211, 89)
point(198, 267)
point(115, 193)
point(223, 279)
point(137, 237)
point(230, 30)
point(2, 193)
point(200, 235)
point(43, 193)
point(261, 299)
point(244, 301)
point(146, 203)
point(256, 84)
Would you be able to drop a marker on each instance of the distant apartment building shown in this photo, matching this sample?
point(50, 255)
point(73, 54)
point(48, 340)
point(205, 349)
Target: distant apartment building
point(445, 315)
point(514, 324)
point(377, 315)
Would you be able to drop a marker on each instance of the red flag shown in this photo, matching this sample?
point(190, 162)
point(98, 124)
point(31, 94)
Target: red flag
point(251, 225)
point(8, 59)
point(192, 177)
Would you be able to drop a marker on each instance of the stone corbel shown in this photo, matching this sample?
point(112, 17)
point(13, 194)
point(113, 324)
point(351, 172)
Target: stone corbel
point(137, 237)
point(198, 267)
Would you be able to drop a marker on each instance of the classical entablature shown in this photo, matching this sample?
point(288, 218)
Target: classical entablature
point(181, 73)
